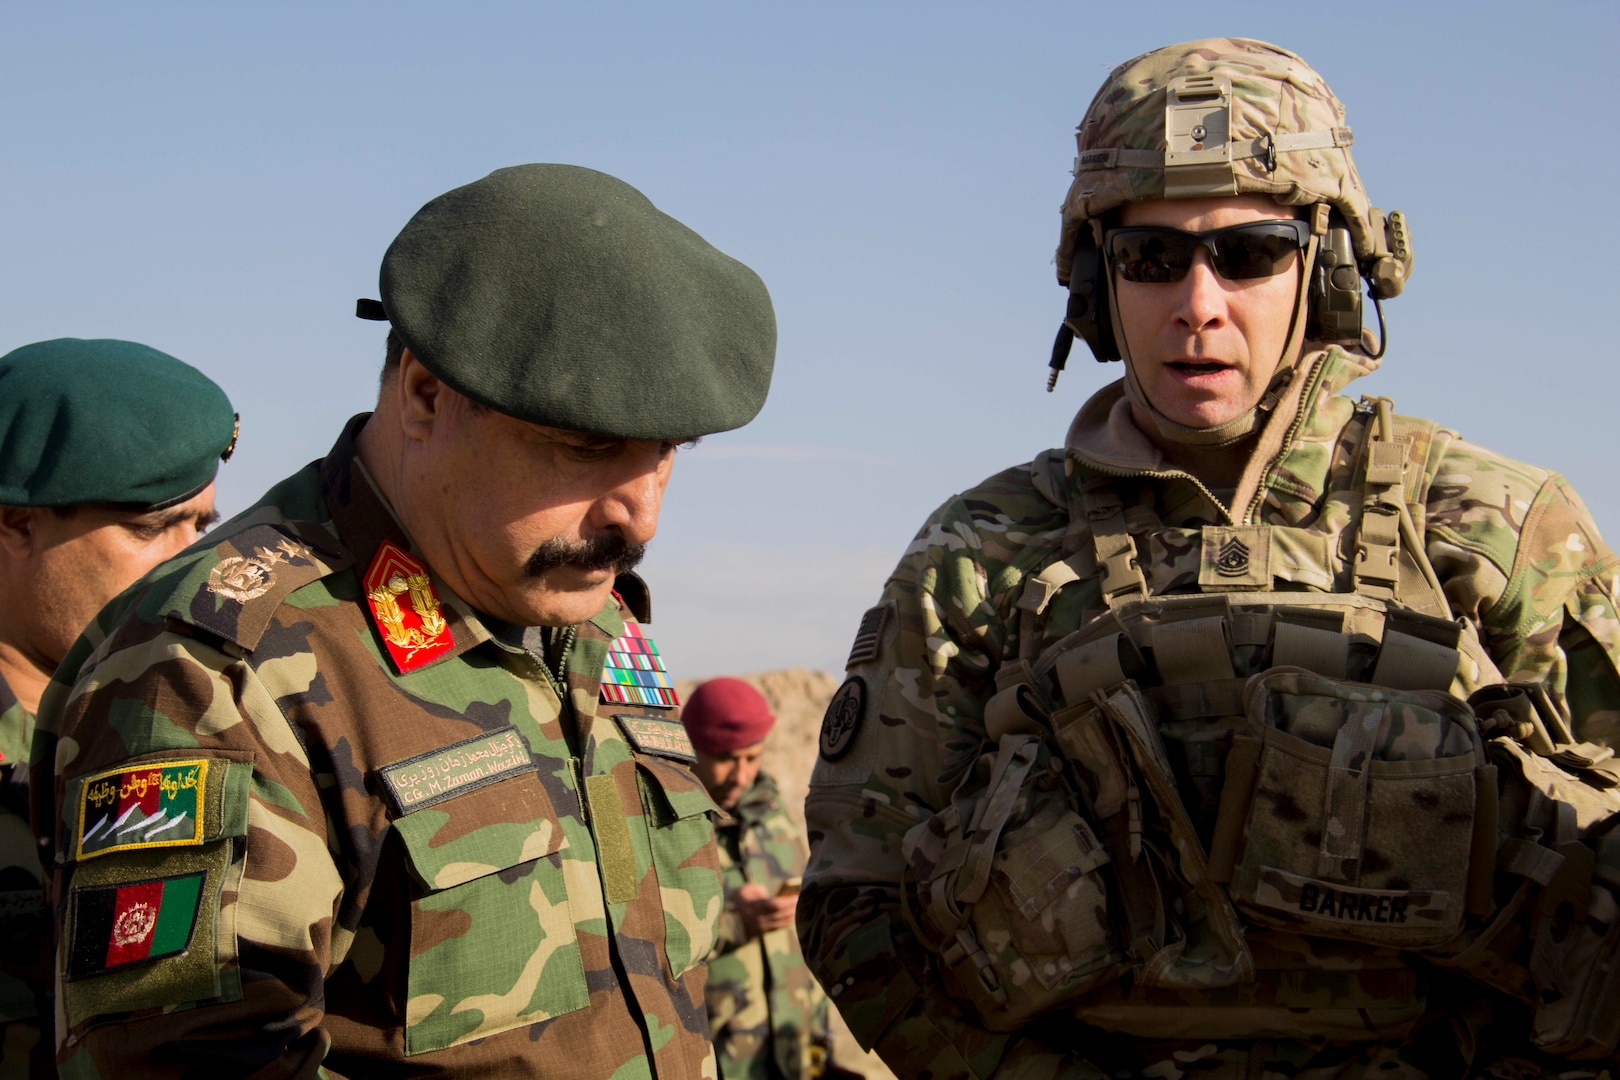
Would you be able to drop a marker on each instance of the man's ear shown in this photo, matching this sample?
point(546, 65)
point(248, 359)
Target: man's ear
point(19, 530)
point(421, 397)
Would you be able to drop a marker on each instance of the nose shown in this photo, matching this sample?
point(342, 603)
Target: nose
point(1201, 302)
point(631, 506)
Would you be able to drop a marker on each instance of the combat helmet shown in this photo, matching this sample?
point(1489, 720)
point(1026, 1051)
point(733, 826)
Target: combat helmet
point(1226, 116)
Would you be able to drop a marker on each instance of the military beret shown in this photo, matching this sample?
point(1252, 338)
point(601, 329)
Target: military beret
point(561, 296)
point(106, 421)
point(723, 715)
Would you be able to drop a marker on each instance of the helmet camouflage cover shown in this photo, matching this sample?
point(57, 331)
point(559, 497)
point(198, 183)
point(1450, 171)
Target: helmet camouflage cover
point(1225, 116)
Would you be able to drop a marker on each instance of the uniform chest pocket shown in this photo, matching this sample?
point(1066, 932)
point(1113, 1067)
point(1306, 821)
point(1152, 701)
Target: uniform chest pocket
point(492, 936)
point(680, 819)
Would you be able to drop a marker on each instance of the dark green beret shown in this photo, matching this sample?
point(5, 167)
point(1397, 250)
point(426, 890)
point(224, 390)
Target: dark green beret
point(562, 296)
point(107, 421)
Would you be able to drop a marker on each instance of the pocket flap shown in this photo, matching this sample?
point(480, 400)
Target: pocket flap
point(674, 792)
point(485, 831)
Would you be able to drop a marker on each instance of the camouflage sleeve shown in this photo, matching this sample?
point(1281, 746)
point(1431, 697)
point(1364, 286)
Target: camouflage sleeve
point(1521, 558)
point(193, 888)
point(904, 725)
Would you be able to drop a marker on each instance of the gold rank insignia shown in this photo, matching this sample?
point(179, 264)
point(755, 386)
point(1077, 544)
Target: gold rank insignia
point(414, 632)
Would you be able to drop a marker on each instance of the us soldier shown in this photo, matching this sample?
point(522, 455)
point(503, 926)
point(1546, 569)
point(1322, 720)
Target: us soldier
point(388, 780)
point(107, 464)
point(1255, 732)
point(767, 1016)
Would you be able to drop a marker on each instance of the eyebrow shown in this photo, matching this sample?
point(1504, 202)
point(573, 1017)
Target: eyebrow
point(162, 519)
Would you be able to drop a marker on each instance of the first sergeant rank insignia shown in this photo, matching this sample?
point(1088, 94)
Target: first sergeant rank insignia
point(406, 609)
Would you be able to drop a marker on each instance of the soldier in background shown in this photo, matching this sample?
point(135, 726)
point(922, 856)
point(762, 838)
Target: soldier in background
point(1256, 732)
point(767, 1016)
point(108, 451)
point(388, 781)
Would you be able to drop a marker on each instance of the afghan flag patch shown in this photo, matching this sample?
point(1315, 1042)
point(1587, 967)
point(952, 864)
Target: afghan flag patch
point(634, 673)
point(155, 805)
point(115, 926)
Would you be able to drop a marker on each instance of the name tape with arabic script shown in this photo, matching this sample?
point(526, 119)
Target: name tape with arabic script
point(452, 770)
point(650, 735)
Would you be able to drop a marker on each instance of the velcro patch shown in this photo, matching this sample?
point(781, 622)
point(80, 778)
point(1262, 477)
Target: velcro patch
point(650, 735)
point(1235, 557)
point(1335, 902)
point(149, 806)
point(869, 636)
point(115, 926)
point(842, 721)
point(441, 774)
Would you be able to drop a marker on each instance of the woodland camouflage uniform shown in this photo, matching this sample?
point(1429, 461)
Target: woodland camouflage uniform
point(764, 1006)
point(25, 964)
point(1041, 804)
point(515, 928)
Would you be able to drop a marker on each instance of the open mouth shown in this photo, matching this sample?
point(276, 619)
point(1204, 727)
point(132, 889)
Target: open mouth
point(1192, 367)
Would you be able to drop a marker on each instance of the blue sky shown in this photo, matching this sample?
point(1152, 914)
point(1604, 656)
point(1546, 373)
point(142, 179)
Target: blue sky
point(220, 181)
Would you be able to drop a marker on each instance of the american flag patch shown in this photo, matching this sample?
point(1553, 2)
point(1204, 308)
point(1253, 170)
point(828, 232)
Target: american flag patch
point(634, 673)
point(868, 636)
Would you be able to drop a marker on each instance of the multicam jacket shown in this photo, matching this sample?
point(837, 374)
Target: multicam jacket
point(764, 1006)
point(1520, 562)
point(277, 855)
point(25, 962)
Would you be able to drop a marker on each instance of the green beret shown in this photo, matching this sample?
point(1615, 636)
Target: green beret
point(562, 296)
point(107, 421)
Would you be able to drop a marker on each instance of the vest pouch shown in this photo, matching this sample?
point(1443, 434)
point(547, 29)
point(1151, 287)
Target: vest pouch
point(1349, 810)
point(1006, 885)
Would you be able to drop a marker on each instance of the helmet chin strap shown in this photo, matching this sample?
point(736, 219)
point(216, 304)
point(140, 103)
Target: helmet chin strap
point(1235, 430)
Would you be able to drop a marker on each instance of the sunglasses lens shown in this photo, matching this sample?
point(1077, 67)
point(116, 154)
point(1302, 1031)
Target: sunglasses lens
point(1255, 251)
point(1153, 256)
point(1159, 256)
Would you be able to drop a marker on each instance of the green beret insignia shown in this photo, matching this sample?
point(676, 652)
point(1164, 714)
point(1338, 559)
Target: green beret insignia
point(107, 422)
point(561, 296)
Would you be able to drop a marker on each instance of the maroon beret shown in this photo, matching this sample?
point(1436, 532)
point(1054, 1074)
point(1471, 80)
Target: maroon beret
point(724, 715)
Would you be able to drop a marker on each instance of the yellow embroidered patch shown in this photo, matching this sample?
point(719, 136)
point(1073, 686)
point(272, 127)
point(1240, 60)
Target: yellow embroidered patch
point(159, 804)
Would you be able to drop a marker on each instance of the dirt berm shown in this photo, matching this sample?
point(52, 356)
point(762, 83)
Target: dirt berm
point(798, 697)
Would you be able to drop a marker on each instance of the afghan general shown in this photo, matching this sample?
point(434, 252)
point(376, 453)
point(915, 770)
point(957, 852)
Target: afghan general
point(1258, 731)
point(386, 777)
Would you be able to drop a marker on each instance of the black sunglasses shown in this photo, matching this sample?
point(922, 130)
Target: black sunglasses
point(1157, 255)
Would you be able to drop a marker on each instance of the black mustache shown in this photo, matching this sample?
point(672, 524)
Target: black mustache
point(609, 552)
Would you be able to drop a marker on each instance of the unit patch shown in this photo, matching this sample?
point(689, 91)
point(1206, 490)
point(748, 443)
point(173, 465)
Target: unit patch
point(634, 672)
point(869, 636)
point(149, 806)
point(413, 637)
point(650, 735)
point(843, 719)
point(115, 926)
point(452, 770)
point(1329, 901)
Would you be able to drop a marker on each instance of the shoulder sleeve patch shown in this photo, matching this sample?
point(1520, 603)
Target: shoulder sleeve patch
point(233, 590)
point(869, 636)
point(115, 926)
point(167, 803)
point(655, 735)
point(842, 721)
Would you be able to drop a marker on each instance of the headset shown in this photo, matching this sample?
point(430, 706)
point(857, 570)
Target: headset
point(1334, 285)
